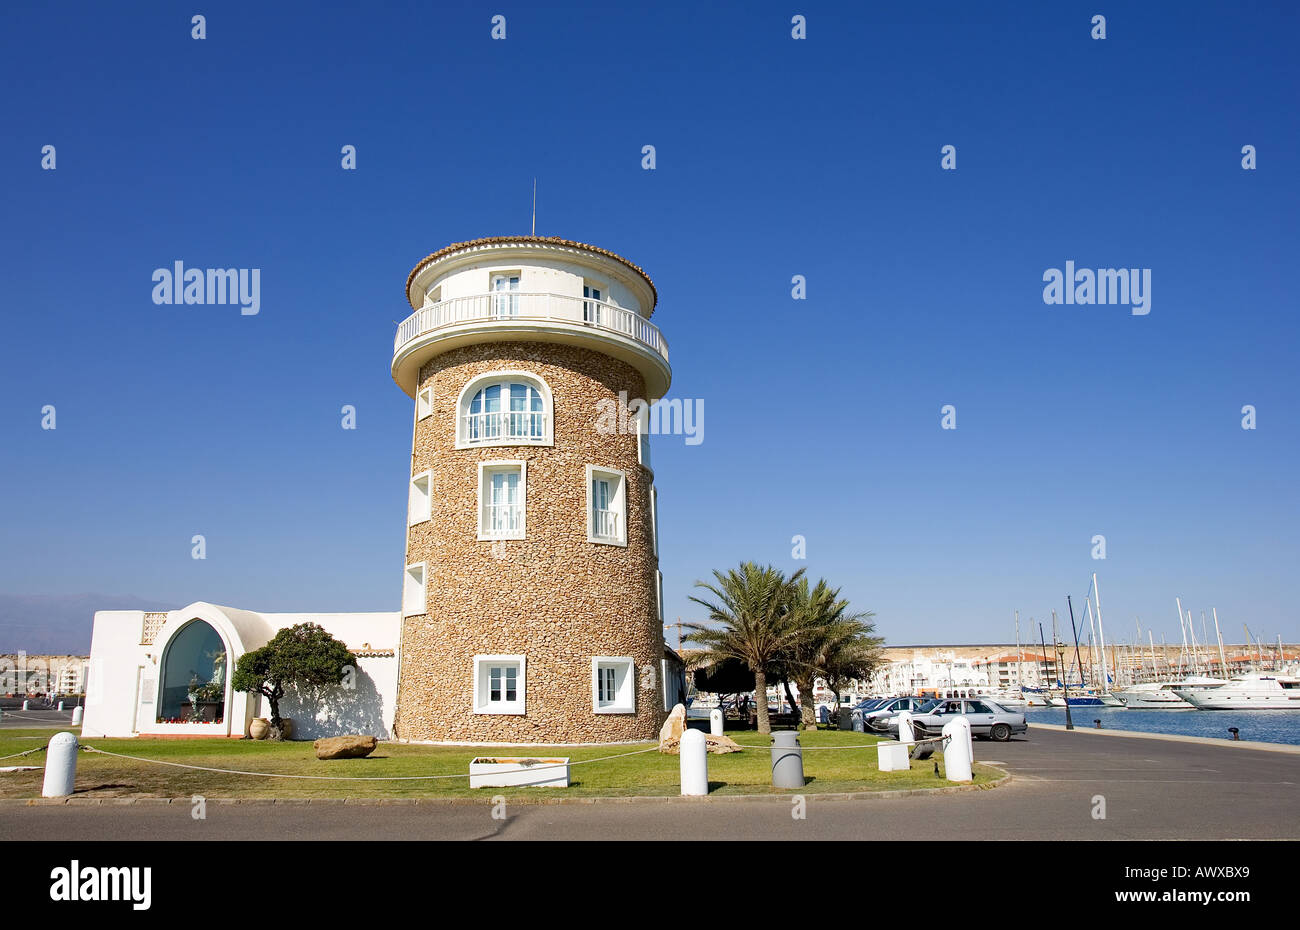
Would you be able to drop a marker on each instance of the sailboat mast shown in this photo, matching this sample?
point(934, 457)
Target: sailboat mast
point(1092, 644)
point(1101, 635)
point(1056, 638)
point(1020, 663)
point(1141, 663)
point(1155, 671)
point(1182, 626)
point(1044, 642)
point(1205, 640)
point(1223, 662)
point(1078, 660)
point(1196, 656)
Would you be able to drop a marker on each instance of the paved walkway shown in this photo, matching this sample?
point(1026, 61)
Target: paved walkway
point(1153, 789)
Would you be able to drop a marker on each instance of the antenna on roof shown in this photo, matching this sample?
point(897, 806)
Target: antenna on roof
point(534, 232)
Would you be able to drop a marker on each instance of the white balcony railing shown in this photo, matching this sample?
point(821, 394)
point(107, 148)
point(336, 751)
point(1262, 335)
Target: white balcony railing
point(504, 425)
point(605, 523)
point(504, 306)
point(503, 521)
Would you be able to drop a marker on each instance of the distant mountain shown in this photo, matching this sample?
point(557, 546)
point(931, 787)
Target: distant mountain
point(58, 624)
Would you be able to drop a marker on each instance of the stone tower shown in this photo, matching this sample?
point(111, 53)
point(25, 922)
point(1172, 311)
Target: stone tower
point(531, 599)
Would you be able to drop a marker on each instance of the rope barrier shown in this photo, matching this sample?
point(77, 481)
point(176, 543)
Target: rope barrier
point(26, 752)
point(204, 768)
point(915, 742)
point(812, 748)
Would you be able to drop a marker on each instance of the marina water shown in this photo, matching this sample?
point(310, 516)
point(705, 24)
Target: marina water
point(1264, 726)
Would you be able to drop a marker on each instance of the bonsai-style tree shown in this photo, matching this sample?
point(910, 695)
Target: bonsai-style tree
point(304, 655)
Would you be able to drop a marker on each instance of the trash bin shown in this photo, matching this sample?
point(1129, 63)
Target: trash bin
point(844, 719)
point(787, 760)
point(858, 726)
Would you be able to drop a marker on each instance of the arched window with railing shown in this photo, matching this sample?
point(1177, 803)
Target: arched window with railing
point(504, 408)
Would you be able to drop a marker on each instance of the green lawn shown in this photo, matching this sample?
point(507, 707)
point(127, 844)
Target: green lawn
point(648, 774)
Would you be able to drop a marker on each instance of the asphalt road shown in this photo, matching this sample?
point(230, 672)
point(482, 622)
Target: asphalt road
point(17, 719)
point(1153, 789)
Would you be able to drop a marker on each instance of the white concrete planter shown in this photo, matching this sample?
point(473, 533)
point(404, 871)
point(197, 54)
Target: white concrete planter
point(518, 771)
point(893, 757)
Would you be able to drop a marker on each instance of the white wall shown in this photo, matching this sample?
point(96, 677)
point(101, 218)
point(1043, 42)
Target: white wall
point(116, 657)
point(537, 275)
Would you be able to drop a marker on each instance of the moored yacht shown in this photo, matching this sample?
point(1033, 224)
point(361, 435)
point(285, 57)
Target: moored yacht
point(1085, 699)
point(1163, 695)
point(1246, 692)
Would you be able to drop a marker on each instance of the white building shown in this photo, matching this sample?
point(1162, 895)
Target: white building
point(924, 672)
point(169, 673)
point(531, 600)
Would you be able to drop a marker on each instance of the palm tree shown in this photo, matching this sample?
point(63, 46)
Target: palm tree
point(855, 659)
point(829, 637)
point(751, 622)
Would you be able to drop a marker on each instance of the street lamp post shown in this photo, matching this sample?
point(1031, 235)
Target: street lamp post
point(1065, 688)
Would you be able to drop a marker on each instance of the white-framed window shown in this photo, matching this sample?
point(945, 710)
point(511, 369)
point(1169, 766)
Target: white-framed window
point(613, 685)
point(606, 506)
point(499, 684)
point(659, 595)
point(424, 403)
point(502, 495)
point(413, 590)
point(593, 292)
point(504, 408)
point(643, 443)
point(654, 519)
point(420, 503)
point(505, 294)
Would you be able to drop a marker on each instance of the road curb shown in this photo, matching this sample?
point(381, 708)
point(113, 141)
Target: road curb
point(486, 798)
point(1177, 738)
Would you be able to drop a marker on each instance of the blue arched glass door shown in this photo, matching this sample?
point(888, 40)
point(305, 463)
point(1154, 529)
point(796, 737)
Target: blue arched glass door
point(194, 676)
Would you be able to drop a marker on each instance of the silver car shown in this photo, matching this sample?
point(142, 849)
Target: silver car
point(885, 714)
point(986, 719)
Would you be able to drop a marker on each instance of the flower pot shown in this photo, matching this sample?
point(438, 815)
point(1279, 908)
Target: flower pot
point(517, 771)
point(260, 728)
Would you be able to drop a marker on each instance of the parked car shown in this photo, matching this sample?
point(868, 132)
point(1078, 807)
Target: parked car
point(986, 719)
point(888, 723)
point(869, 704)
point(888, 709)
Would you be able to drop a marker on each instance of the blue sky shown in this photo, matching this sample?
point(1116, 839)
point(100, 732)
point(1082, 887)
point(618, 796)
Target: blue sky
point(775, 157)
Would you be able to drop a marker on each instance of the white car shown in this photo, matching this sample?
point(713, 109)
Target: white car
point(986, 719)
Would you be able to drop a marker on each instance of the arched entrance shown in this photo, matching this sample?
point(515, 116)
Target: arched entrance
point(195, 669)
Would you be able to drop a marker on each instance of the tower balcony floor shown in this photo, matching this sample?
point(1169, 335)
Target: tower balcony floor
point(538, 317)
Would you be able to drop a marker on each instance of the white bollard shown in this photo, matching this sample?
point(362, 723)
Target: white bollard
point(715, 722)
point(60, 705)
point(694, 763)
point(76, 715)
point(905, 734)
point(24, 705)
point(957, 757)
point(60, 766)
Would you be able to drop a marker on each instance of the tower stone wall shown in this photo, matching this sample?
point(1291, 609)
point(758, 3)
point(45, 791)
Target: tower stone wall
point(552, 596)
